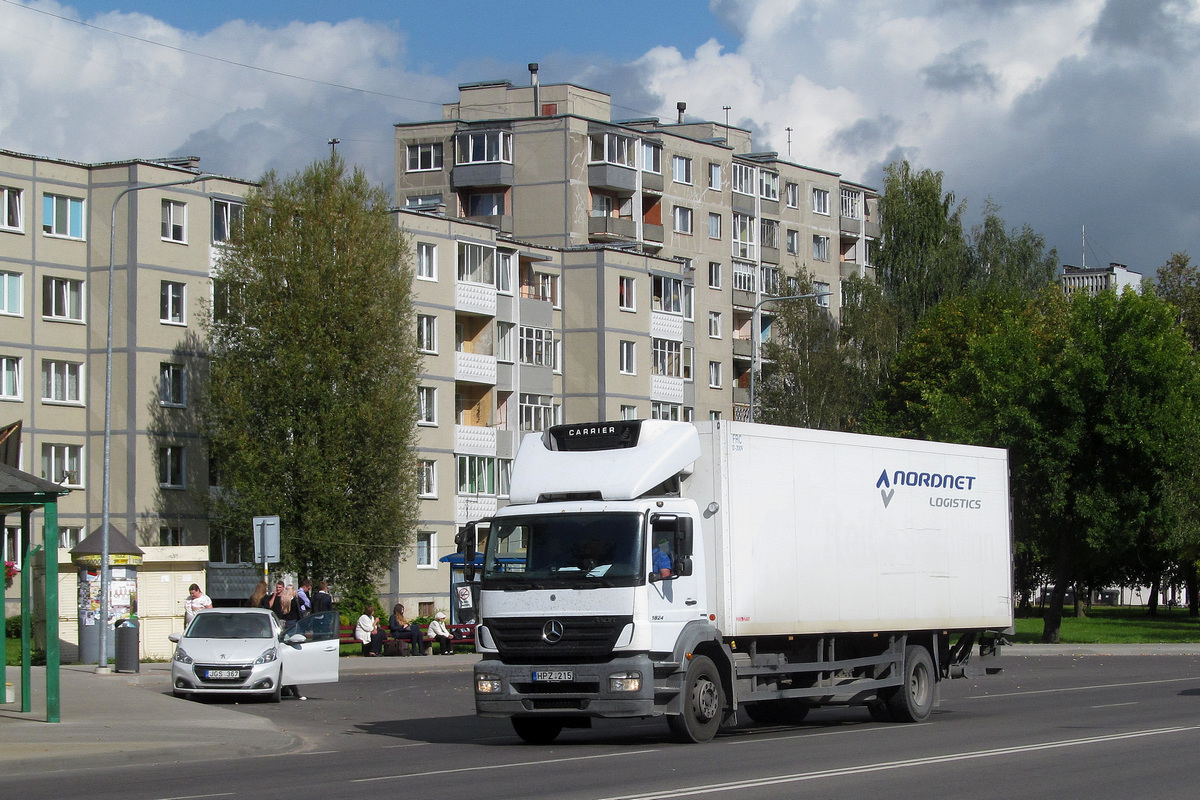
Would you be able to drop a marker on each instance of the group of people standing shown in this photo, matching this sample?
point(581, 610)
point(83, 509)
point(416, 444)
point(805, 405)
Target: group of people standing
point(406, 633)
point(290, 604)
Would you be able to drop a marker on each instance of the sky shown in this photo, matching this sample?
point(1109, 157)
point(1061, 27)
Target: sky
point(1067, 114)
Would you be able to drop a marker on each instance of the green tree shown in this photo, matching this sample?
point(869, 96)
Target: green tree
point(1179, 284)
point(1009, 260)
point(309, 403)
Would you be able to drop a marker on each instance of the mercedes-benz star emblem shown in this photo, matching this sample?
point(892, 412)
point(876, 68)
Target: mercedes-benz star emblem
point(552, 632)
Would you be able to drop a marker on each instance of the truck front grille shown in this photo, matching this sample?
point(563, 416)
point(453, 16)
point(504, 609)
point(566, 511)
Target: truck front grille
point(556, 640)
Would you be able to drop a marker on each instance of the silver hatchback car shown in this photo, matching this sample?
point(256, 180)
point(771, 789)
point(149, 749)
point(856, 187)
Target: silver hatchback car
point(247, 651)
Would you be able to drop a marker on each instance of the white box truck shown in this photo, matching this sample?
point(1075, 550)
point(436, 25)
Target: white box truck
point(652, 568)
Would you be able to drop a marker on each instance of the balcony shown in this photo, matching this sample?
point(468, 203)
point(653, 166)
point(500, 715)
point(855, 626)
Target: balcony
point(475, 298)
point(474, 440)
point(743, 348)
point(475, 368)
point(666, 390)
point(612, 177)
point(469, 176)
point(608, 228)
point(666, 326)
point(472, 507)
point(652, 233)
point(652, 182)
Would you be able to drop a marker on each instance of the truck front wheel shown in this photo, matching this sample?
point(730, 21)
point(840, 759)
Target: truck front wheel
point(913, 700)
point(703, 703)
point(537, 730)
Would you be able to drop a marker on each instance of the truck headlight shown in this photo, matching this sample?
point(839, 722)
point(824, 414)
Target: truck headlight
point(487, 684)
point(625, 682)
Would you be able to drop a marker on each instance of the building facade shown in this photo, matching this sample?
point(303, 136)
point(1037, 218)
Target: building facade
point(1094, 280)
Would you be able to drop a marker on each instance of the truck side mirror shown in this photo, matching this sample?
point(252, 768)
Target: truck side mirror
point(465, 539)
point(683, 565)
point(683, 536)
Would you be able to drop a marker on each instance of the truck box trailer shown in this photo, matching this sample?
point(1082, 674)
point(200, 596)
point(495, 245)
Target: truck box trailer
point(652, 568)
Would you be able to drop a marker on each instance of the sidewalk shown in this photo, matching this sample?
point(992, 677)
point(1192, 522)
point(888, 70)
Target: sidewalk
point(131, 718)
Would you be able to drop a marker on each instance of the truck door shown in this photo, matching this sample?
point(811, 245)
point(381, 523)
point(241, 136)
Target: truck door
point(674, 600)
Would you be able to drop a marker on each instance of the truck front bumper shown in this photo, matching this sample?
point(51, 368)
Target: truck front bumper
point(622, 687)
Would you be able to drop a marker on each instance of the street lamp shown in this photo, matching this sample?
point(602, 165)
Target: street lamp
point(105, 491)
point(755, 333)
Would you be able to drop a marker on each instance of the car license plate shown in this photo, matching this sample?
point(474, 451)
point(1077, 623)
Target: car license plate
point(552, 675)
point(223, 674)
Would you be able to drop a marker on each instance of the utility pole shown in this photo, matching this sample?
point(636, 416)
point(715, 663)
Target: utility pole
point(789, 141)
point(333, 143)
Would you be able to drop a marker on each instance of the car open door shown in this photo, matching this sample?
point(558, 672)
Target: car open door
point(315, 660)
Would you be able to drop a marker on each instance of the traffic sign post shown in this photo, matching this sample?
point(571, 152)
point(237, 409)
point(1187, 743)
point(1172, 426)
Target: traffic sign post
point(266, 542)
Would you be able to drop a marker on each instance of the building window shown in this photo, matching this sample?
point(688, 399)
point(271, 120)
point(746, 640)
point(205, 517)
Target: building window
point(227, 220)
point(820, 288)
point(768, 185)
point(792, 194)
point(172, 385)
point(475, 263)
point(612, 148)
point(427, 333)
point(504, 263)
point(426, 405)
point(770, 233)
point(628, 412)
point(627, 296)
point(714, 175)
point(68, 537)
point(11, 293)
point(62, 382)
point(743, 235)
point(820, 248)
point(171, 460)
point(668, 411)
point(476, 475)
point(666, 358)
point(504, 341)
point(793, 242)
point(651, 158)
point(485, 204)
point(424, 157)
point(667, 294)
point(851, 204)
point(426, 550)
point(683, 219)
point(171, 302)
point(538, 412)
point(743, 179)
point(681, 169)
point(628, 358)
point(770, 279)
point(174, 221)
point(689, 359)
point(820, 201)
point(11, 388)
point(62, 216)
point(170, 536)
point(714, 416)
point(427, 478)
point(484, 147)
point(423, 202)
point(743, 276)
point(714, 374)
point(714, 226)
point(537, 346)
point(62, 299)
point(10, 209)
point(426, 261)
point(503, 476)
point(714, 274)
point(61, 462)
point(714, 324)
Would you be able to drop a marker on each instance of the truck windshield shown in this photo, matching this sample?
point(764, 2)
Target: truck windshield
point(556, 551)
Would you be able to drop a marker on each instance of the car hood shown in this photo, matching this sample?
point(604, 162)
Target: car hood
point(232, 651)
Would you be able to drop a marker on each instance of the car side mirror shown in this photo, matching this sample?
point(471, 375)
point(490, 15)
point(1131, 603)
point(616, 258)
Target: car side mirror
point(296, 638)
point(175, 637)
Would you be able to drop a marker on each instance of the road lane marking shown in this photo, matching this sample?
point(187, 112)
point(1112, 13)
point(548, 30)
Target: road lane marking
point(501, 766)
point(197, 796)
point(1115, 705)
point(1082, 688)
point(687, 791)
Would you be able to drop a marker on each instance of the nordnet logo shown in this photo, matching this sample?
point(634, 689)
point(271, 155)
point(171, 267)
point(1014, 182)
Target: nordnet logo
point(931, 480)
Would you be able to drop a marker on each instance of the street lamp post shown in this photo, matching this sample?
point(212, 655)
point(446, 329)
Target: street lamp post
point(105, 492)
point(755, 333)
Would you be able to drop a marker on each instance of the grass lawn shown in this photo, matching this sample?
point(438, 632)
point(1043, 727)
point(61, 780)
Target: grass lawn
point(1115, 625)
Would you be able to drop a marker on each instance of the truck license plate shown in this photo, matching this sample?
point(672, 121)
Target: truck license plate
point(223, 674)
point(552, 675)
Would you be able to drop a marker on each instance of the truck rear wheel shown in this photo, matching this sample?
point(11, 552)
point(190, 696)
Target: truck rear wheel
point(703, 703)
point(537, 730)
point(913, 700)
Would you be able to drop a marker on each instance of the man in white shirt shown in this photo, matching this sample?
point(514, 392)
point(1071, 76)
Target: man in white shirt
point(196, 600)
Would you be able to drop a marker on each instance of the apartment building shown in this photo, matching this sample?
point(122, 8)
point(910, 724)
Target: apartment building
point(1094, 280)
point(601, 270)
point(55, 234)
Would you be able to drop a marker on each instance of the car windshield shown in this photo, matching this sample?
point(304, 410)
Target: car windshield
point(215, 625)
point(564, 550)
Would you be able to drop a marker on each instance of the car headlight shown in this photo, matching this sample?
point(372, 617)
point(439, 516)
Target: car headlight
point(625, 682)
point(487, 684)
point(181, 656)
point(267, 657)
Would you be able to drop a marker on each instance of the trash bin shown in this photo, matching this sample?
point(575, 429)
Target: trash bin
point(127, 646)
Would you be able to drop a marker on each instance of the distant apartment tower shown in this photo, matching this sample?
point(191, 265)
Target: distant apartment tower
point(572, 267)
point(1094, 280)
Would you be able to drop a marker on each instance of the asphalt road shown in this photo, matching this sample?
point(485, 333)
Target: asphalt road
point(1048, 727)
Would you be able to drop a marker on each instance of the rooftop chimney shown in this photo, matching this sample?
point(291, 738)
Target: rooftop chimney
point(537, 89)
point(681, 107)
